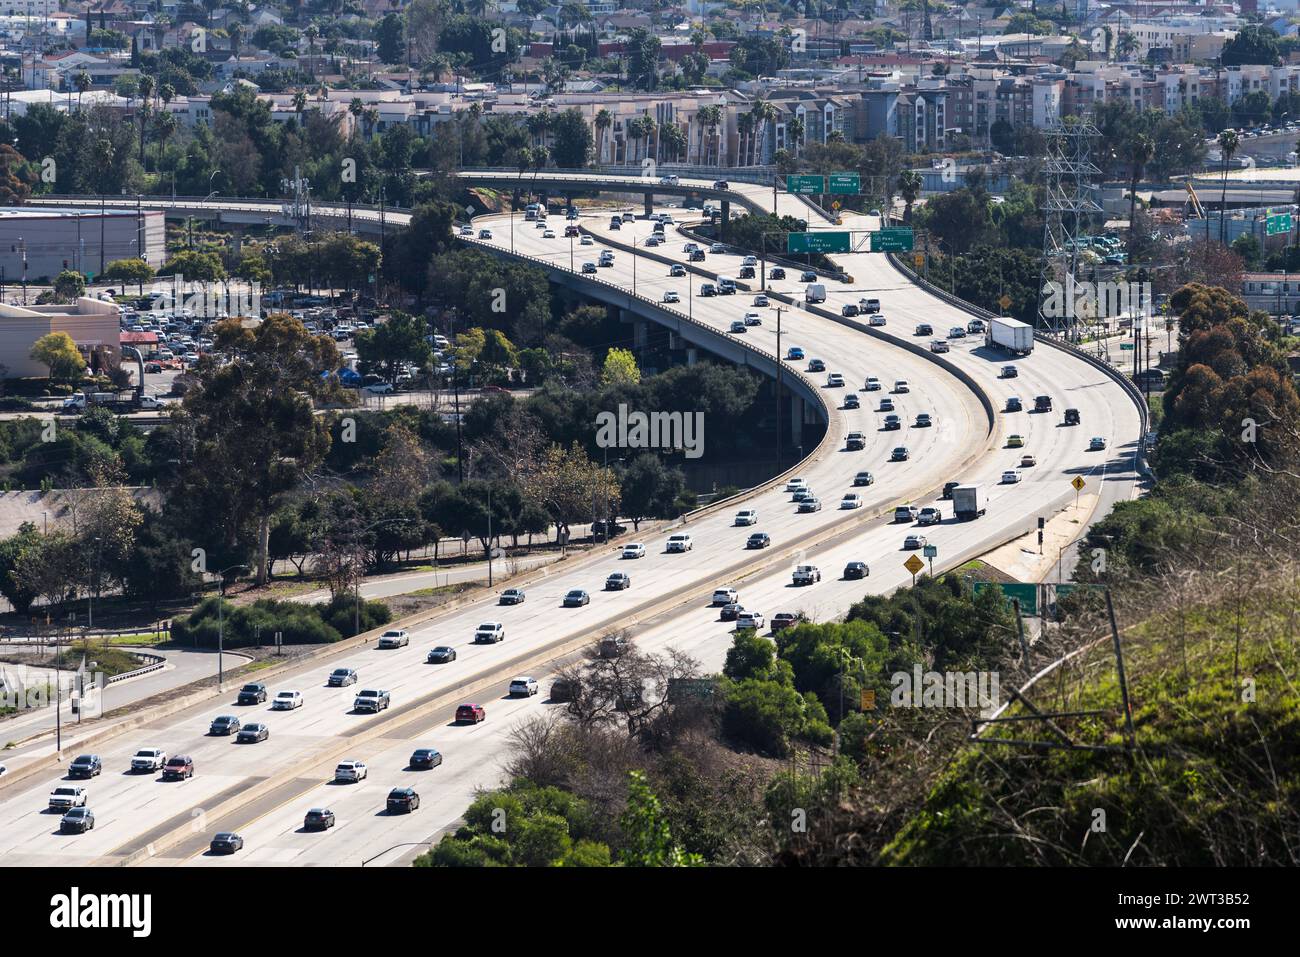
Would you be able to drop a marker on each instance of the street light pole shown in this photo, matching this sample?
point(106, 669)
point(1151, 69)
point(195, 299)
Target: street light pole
point(779, 361)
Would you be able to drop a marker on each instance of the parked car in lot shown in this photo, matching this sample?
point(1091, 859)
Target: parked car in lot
point(228, 842)
point(85, 766)
point(318, 819)
point(618, 581)
point(523, 687)
point(77, 820)
point(425, 759)
point(252, 693)
point(349, 772)
point(342, 677)
point(287, 700)
point(856, 570)
point(441, 655)
point(402, 801)
point(512, 596)
point(395, 638)
point(471, 713)
point(252, 733)
point(223, 725)
point(489, 633)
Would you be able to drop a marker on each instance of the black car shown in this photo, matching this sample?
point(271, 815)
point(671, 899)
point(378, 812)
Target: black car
point(425, 758)
point(1071, 416)
point(224, 724)
point(78, 820)
point(776, 272)
point(1013, 404)
point(856, 570)
point(441, 655)
point(808, 276)
point(318, 819)
point(721, 184)
point(947, 489)
point(252, 733)
point(402, 800)
point(254, 693)
point(758, 540)
point(85, 766)
point(227, 842)
point(342, 677)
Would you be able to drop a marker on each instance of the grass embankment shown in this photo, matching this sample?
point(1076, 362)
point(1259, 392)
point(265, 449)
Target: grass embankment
point(1214, 779)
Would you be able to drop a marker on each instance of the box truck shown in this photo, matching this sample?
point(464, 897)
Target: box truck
point(967, 502)
point(1012, 335)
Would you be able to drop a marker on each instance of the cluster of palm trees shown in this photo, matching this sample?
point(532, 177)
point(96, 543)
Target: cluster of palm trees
point(368, 115)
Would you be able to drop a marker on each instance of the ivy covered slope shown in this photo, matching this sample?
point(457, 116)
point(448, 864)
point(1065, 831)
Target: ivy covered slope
point(1214, 679)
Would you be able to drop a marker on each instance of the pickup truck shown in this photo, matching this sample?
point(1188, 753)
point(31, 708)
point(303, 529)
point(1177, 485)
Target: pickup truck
point(67, 796)
point(806, 575)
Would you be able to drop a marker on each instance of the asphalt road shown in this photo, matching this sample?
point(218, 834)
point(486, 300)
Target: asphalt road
point(669, 596)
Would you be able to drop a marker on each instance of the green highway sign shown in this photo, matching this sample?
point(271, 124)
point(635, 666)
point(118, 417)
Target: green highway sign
point(819, 242)
point(848, 184)
point(1126, 346)
point(1028, 594)
point(805, 185)
point(894, 239)
point(681, 689)
point(1277, 223)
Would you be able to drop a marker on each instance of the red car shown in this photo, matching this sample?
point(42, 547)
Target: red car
point(178, 768)
point(495, 390)
point(473, 713)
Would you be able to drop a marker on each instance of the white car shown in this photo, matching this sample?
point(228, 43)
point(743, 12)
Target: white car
point(747, 516)
point(761, 301)
point(749, 620)
point(485, 234)
point(286, 700)
point(872, 384)
point(724, 596)
point(586, 241)
point(671, 296)
point(634, 550)
point(1010, 476)
point(835, 381)
point(525, 687)
point(753, 319)
point(148, 759)
point(806, 574)
point(395, 638)
point(875, 319)
point(900, 385)
point(679, 543)
point(851, 500)
point(795, 485)
point(67, 796)
point(549, 234)
point(351, 771)
point(489, 633)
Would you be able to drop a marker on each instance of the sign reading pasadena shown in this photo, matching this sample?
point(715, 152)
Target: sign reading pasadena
point(654, 430)
point(76, 910)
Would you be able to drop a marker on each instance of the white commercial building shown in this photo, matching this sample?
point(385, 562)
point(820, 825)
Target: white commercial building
point(39, 242)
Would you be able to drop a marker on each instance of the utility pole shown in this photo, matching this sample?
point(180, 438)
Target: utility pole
point(779, 365)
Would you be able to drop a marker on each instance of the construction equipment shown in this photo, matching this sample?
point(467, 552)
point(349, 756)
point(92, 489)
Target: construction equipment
point(1197, 208)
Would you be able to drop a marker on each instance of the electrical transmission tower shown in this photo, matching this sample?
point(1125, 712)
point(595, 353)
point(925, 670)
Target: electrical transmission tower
point(1068, 208)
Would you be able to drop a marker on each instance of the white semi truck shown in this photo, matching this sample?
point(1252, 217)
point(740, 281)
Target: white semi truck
point(1011, 334)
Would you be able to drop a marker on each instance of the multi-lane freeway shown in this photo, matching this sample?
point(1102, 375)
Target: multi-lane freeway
point(263, 790)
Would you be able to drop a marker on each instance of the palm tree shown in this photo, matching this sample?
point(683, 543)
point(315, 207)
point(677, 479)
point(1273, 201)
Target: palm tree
point(1228, 144)
point(1140, 150)
point(1127, 45)
point(796, 129)
point(909, 187)
point(356, 108)
point(300, 104)
point(145, 89)
point(604, 120)
point(650, 128)
point(744, 126)
point(709, 118)
point(371, 118)
point(765, 114)
point(311, 33)
point(525, 162)
point(236, 33)
point(82, 83)
point(541, 156)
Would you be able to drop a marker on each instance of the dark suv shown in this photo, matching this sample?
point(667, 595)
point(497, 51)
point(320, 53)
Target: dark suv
point(402, 800)
point(254, 693)
point(85, 766)
point(425, 758)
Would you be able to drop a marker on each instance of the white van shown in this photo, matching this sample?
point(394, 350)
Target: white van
point(815, 292)
point(726, 286)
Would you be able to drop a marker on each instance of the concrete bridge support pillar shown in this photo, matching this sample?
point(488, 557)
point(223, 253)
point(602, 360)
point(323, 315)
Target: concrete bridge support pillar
point(692, 356)
point(649, 204)
point(796, 420)
point(640, 334)
point(724, 217)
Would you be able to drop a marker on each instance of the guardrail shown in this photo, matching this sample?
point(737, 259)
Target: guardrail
point(158, 662)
